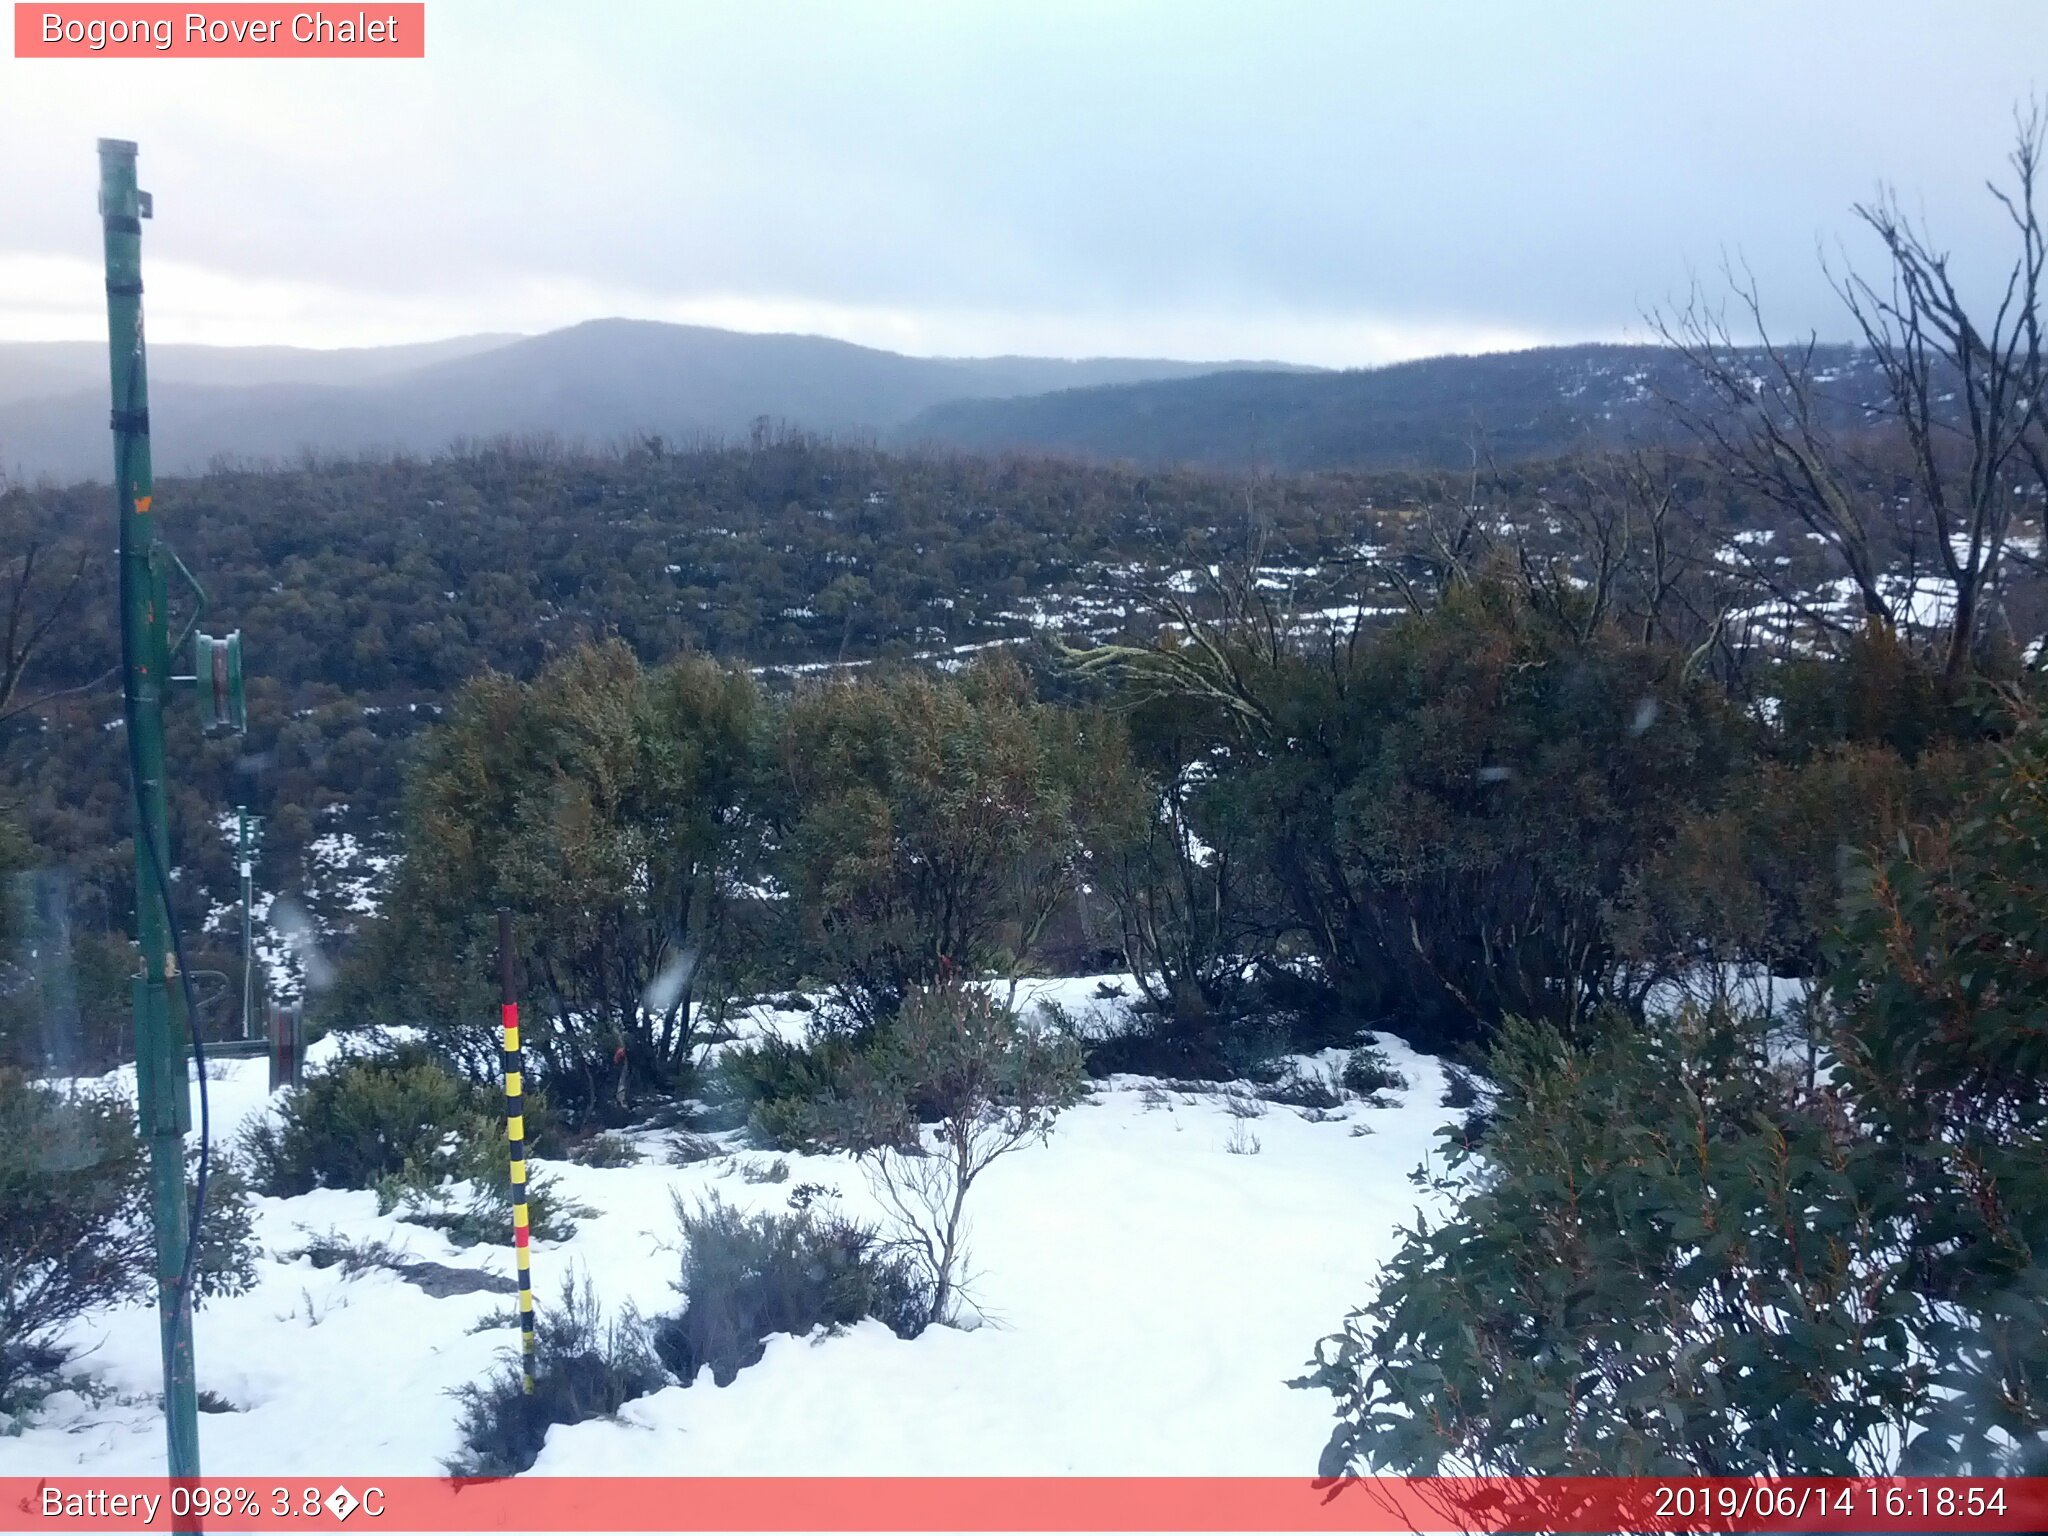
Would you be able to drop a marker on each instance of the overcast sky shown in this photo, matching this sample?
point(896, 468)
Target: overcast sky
point(1340, 183)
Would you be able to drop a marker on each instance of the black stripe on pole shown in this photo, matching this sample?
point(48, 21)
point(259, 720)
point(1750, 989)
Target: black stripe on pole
point(515, 1135)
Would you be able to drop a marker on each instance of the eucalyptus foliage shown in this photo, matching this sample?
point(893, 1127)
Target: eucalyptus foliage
point(1674, 1252)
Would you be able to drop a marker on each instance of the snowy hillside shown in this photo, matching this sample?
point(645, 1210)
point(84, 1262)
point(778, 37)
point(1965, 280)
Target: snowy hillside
point(1150, 1281)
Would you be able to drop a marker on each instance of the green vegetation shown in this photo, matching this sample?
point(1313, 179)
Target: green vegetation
point(949, 1085)
point(366, 1117)
point(75, 1234)
point(746, 1277)
point(611, 809)
point(923, 828)
point(585, 1367)
point(397, 1118)
point(1683, 1252)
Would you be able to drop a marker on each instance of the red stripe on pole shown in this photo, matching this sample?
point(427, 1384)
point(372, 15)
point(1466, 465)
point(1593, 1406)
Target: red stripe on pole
point(520, 1235)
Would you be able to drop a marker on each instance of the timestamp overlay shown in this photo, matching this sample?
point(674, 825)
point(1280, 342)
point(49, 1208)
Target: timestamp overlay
point(973, 1504)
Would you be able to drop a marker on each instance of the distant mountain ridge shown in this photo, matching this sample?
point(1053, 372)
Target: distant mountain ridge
point(597, 382)
point(32, 370)
point(1435, 413)
point(608, 380)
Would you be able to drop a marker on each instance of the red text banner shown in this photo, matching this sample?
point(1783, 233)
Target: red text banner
point(975, 1504)
point(232, 31)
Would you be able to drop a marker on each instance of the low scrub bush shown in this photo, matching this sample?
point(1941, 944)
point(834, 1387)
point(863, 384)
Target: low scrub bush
point(397, 1119)
point(1699, 1297)
point(952, 1083)
point(607, 1149)
point(747, 1277)
point(1249, 1046)
point(353, 1256)
point(75, 1234)
point(227, 1232)
point(361, 1119)
point(776, 1080)
point(70, 1166)
point(1367, 1072)
point(689, 1147)
point(1307, 1089)
point(1243, 1106)
point(465, 1190)
point(584, 1368)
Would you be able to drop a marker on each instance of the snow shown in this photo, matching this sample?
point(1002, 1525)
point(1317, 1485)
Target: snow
point(1746, 987)
point(1147, 1294)
point(355, 875)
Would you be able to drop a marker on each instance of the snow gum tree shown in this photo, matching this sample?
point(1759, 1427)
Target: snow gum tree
point(607, 806)
point(1445, 809)
point(924, 824)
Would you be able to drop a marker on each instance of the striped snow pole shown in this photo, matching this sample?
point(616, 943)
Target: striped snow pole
point(515, 1136)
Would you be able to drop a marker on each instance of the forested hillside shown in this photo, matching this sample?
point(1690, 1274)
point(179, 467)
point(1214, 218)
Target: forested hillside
point(368, 592)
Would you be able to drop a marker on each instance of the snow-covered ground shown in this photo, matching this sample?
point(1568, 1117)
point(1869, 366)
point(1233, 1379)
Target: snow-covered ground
point(1150, 1284)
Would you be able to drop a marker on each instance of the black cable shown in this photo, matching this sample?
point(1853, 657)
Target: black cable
point(146, 834)
point(190, 1268)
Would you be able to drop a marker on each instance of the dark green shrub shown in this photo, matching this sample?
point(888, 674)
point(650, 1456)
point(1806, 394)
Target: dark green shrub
point(1940, 996)
point(399, 1120)
point(775, 1079)
point(227, 1231)
point(71, 1168)
point(746, 1277)
point(1368, 1072)
point(1460, 1091)
point(1239, 1044)
point(1758, 877)
point(74, 1223)
point(1663, 1265)
point(584, 1368)
point(1448, 808)
point(927, 827)
point(361, 1119)
point(1677, 1256)
point(1306, 1089)
point(606, 804)
point(64, 1002)
point(1165, 843)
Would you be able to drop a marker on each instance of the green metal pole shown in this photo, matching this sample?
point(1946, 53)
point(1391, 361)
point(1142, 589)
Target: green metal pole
point(163, 1087)
point(243, 854)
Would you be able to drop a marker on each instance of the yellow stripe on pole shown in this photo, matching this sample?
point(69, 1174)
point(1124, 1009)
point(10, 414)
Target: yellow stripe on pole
point(515, 1136)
